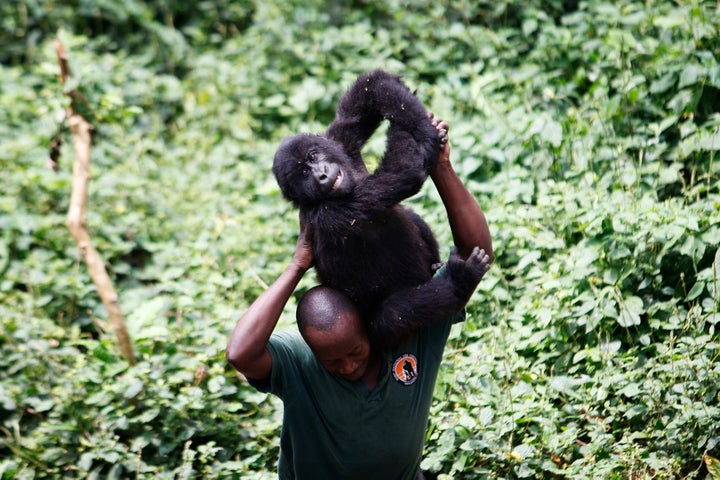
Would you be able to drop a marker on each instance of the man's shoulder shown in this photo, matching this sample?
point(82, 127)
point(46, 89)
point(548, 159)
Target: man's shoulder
point(288, 343)
point(433, 337)
point(288, 337)
point(292, 359)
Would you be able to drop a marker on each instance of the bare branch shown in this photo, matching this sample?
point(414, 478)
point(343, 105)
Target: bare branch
point(77, 213)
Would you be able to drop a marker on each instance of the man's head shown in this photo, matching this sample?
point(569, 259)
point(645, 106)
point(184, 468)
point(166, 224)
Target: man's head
point(332, 327)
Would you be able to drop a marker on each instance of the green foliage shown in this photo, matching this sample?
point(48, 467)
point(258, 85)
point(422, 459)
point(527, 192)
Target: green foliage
point(589, 131)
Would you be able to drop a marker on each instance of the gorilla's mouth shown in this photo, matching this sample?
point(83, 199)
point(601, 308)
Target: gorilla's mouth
point(338, 181)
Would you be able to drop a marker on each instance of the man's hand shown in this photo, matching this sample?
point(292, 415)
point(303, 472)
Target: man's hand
point(303, 257)
point(466, 274)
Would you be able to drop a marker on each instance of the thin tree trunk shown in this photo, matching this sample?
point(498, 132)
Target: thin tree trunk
point(77, 213)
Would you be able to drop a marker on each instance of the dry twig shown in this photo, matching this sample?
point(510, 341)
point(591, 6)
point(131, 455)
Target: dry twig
point(77, 213)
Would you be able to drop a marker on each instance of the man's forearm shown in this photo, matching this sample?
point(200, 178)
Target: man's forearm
point(247, 345)
point(467, 220)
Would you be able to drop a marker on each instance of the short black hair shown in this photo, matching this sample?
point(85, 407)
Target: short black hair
point(321, 307)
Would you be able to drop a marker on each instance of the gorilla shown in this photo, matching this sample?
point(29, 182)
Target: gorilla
point(364, 243)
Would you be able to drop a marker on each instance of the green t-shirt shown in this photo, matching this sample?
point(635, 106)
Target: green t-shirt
point(334, 429)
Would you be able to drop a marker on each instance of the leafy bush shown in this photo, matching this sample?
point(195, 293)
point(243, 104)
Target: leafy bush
point(588, 130)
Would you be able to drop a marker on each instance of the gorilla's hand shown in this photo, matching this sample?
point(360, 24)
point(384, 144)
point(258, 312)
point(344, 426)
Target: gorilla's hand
point(466, 274)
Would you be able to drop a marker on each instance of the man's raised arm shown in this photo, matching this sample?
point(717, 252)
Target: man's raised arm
point(247, 347)
point(467, 220)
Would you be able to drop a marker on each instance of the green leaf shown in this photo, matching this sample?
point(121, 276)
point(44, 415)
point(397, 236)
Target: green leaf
point(691, 75)
point(709, 142)
point(549, 130)
point(630, 311)
point(713, 466)
point(148, 320)
point(134, 388)
point(696, 291)
point(669, 22)
point(714, 76)
point(631, 390)
point(86, 461)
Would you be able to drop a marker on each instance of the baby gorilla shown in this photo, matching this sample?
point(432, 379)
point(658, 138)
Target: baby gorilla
point(364, 243)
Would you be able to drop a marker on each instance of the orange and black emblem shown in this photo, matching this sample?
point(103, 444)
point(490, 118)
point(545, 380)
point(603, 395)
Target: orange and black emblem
point(405, 369)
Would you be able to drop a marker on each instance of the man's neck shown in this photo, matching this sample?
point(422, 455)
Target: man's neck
point(370, 378)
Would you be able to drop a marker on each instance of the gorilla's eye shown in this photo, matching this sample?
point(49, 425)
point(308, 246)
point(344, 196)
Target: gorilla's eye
point(312, 156)
point(305, 171)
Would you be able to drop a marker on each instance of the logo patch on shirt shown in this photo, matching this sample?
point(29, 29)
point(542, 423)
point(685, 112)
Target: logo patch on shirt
point(405, 369)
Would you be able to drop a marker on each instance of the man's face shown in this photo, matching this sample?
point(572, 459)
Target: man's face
point(343, 350)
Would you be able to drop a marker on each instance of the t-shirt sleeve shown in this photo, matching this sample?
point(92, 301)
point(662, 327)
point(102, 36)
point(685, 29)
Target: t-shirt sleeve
point(458, 317)
point(288, 352)
point(435, 336)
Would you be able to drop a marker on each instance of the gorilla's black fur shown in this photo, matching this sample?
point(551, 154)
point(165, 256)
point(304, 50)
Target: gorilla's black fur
point(364, 243)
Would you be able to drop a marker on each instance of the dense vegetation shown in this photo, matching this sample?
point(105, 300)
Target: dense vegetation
point(590, 132)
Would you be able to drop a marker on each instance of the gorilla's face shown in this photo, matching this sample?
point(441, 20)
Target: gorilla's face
point(311, 169)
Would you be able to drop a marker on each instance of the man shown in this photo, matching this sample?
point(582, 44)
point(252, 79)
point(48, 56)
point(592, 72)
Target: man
point(350, 410)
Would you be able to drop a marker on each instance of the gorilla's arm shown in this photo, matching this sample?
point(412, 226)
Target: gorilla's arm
point(356, 117)
point(404, 311)
point(412, 140)
point(410, 309)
